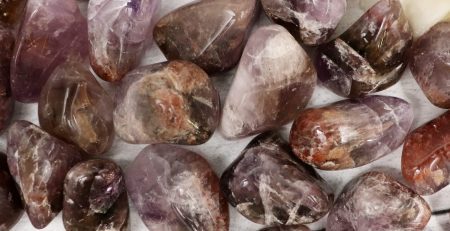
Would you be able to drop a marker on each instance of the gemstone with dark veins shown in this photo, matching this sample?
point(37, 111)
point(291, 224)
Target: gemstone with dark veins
point(351, 133)
point(74, 107)
point(51, 33)
point(287, 228)
point(268, 185)
point(274, 82)
point(370, 56)
point(376, 201)
point(10, 202)
point(311, 22)
point(210, 33)
point(176, 189)
point(171, 102)
point(119, 31)
point(6, 51)
point(11, 11)
point(39, 163)
point(95, 198)
point(425, 158)
point(430, 64)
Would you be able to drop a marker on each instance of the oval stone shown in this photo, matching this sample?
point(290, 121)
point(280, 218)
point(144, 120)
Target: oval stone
point(274, 82)
point(74, 107)
point(425, 162)
point(6, 52)
point(10, 203)
point(376, 201)
point(211, 34)
point(172, 102)
point(370, 56)
point(351, 133)
point(268, 185)
point(311, 22)
point(176, 189)
point(95, 197)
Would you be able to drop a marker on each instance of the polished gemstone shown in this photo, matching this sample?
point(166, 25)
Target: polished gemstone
point(119, 30)
point(11, 11)
point(376, 201)
point(95, 197)
point(10, 202)
point(287, 228)
point(74, 107)
point(351, 133)
point(51, 32)
point(171, 102)
point(425, 159)
point(176, 189)
point(370, 56)
point(268, 185)
point(430, 64)
point(210, 33)
point(6, 51)
point(311, 22)
point(39, 163)
point(274, 82)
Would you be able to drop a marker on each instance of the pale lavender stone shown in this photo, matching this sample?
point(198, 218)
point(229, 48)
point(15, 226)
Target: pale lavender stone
point(51, 32)
point(119, 30)
point(274, 82)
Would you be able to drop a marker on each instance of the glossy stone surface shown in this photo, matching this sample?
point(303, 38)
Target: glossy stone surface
point(6, 100)
point(95, 197)
point(10, 202)
point(51, 32)
point(210, 33)
point(39, 163)
point(376, 201)
point(74, 107)
point(268, 185)
point(425, 159)
point(312, 22)
point(171, 102)
point(274, 82)
point(351, 133)
point(175, 189)
point(118, 34)
point(370, 56)
point(287, 228)
point(11, 11)
point(430, 64)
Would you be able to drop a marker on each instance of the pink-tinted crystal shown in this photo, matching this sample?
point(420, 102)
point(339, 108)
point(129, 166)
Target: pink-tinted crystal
point(430, 64)
point(39, 163)
point(268, 185)
point(6, 100)
point(210, 33)
point(176, 189)
point(273, 83)
point(370, 56)
point(312, 22)
point(351, 133)
point(375, 201)
point(10, 202)
point(51, 32)
point(118, 33)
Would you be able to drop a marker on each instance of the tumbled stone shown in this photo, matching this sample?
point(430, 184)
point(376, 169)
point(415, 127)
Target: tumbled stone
point(6, 100)
point(10, 202)
point(39, 163)
point(370, 56)
point(425, 162)
point(95, 197)
point(430, 64)
point(274, 82)
point(51, 32)
point(212, 34)
point(351, 133)
point(268, 185)
point(11, 11)
point(376, 201)
point(287, 228)
point(176, 189)
point(118, 33)
point(74, 107)
point(171, 102)
point(311, 22)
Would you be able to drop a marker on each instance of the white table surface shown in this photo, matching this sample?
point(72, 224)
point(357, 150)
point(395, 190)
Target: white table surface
point(220, 152)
